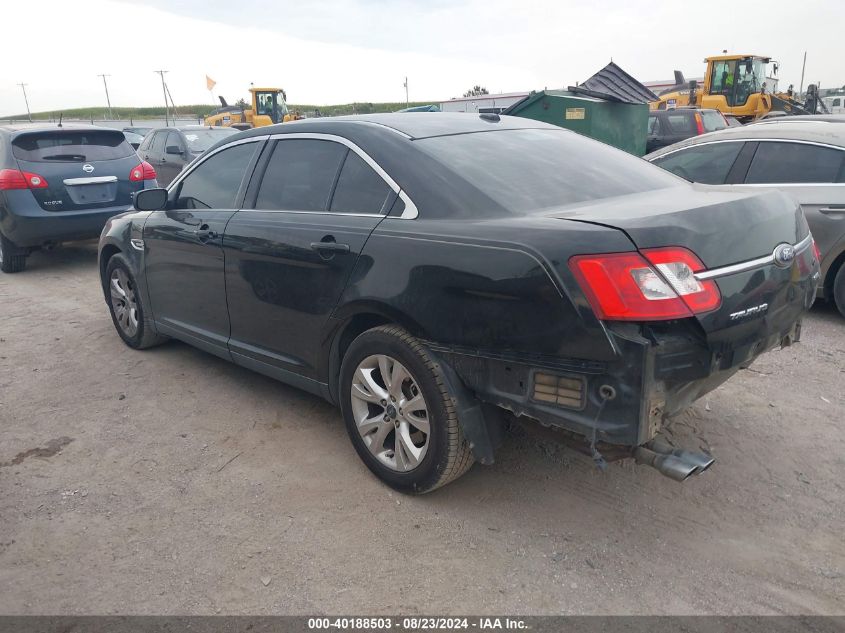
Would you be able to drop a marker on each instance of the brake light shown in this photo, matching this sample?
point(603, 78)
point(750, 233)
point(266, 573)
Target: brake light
point(16, 179)
point(144, 171)
point(699, 123)
point(657, 285)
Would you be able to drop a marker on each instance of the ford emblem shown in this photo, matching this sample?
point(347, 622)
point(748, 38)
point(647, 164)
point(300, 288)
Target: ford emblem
point(88, 168)
point(783, 255)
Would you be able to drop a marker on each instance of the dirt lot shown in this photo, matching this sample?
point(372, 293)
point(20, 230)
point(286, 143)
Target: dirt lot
point(169, 481)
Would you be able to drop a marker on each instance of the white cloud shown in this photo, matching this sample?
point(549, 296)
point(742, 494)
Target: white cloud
point(338, 51)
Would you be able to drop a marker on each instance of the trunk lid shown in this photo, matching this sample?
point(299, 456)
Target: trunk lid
point(724, 228)
point(82, 168)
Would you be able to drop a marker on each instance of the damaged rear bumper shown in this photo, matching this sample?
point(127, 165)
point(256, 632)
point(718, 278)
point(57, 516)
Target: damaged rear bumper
point(661, 370)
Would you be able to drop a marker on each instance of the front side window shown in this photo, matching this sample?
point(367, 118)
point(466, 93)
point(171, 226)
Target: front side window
point(300, 175)
point(784, 162)
point(653, 126)
point(359, 188)
point(214, 184)
point(708, 164)
point(173, 141)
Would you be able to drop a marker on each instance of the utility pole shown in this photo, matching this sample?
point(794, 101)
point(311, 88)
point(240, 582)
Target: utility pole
point(803, 66)
point(406, 92)
point(106, 86)
point(164, 92)
point(28, 113)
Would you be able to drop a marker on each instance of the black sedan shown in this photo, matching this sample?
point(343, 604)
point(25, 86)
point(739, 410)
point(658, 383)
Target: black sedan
point(429, 273)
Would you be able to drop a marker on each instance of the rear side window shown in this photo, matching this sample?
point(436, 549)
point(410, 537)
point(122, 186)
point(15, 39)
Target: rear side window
point(653, 126)
point(709, 164)
point(214, 184)
point(713, 121)
point(794, 162)
point(77, 146)
point(359, 188)
point(681, 123)
point(300, 175)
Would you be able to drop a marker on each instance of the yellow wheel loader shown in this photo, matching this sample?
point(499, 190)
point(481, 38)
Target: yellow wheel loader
point(269, 106)
point(736, 85)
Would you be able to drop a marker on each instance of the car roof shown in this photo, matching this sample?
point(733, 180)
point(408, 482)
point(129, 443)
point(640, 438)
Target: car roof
point(823, 132)
point(414, 125)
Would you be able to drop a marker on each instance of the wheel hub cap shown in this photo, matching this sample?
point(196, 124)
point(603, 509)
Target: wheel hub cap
point(390, 412)
point(124, 302)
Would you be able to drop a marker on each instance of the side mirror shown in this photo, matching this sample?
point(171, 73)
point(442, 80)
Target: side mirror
point(151, 199)
point(174, 149)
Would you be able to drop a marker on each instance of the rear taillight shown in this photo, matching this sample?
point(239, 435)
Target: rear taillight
point(16, 179)
point(657, 285)
point(699, 123)
point(144, 171)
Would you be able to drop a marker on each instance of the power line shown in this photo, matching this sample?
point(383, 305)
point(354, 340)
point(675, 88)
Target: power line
point(106, 86)
point(28, 113)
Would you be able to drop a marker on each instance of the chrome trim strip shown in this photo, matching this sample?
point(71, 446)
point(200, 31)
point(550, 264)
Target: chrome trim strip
point(800, 247)
point(93, 180)
point(410, 211)
point(137, 244)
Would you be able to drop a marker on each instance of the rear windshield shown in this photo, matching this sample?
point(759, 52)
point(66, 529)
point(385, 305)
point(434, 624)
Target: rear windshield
point(532, 170)
point(77, 146)
point(201, 140)
point(713, 121)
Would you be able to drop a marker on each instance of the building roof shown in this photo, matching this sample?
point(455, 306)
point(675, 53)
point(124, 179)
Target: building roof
point(501, 95)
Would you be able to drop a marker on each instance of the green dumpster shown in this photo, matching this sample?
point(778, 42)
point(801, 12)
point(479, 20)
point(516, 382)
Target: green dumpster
point(623, 125)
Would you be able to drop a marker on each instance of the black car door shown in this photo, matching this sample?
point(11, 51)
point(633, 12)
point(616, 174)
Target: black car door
point(183, 260)
point(289, 257)
point(173, 158)
point(153, 150)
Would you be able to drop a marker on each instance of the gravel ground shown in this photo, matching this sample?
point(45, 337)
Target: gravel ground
point(171, 482)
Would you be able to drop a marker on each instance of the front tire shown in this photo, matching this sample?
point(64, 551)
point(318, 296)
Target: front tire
point(11, 261)
point(839, 290)
point(399, 412)
point(128, 312)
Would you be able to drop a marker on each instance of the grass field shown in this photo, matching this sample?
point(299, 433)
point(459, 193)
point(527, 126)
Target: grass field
point(201, 110)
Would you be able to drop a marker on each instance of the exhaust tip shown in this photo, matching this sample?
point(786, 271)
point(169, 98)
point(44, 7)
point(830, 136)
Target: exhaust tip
point(675, 467)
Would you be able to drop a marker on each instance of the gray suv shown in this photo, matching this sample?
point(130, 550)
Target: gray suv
point(62, 182)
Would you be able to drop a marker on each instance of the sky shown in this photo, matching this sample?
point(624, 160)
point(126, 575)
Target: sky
point(340, 51)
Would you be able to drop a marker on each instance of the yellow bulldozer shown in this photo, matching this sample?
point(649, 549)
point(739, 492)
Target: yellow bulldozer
point(269, 106)
point(736, 85)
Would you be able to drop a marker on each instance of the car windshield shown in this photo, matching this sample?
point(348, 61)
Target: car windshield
point(201, 140)
point(535, 169)
point(71, 146)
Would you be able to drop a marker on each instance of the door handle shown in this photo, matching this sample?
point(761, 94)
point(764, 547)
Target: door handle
point(330, 247)
point(833, 210)
point(204, 233)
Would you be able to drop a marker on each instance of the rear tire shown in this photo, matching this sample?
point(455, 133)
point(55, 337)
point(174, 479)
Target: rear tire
point(839, 290)
point(11, 260)
point(416, 450)
point(126, 304)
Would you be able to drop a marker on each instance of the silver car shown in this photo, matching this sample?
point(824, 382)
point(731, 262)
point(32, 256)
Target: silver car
point(803, 158)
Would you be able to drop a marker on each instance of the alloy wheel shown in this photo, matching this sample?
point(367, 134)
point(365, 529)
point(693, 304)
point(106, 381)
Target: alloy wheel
point(390, 412)
point(124, 302)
